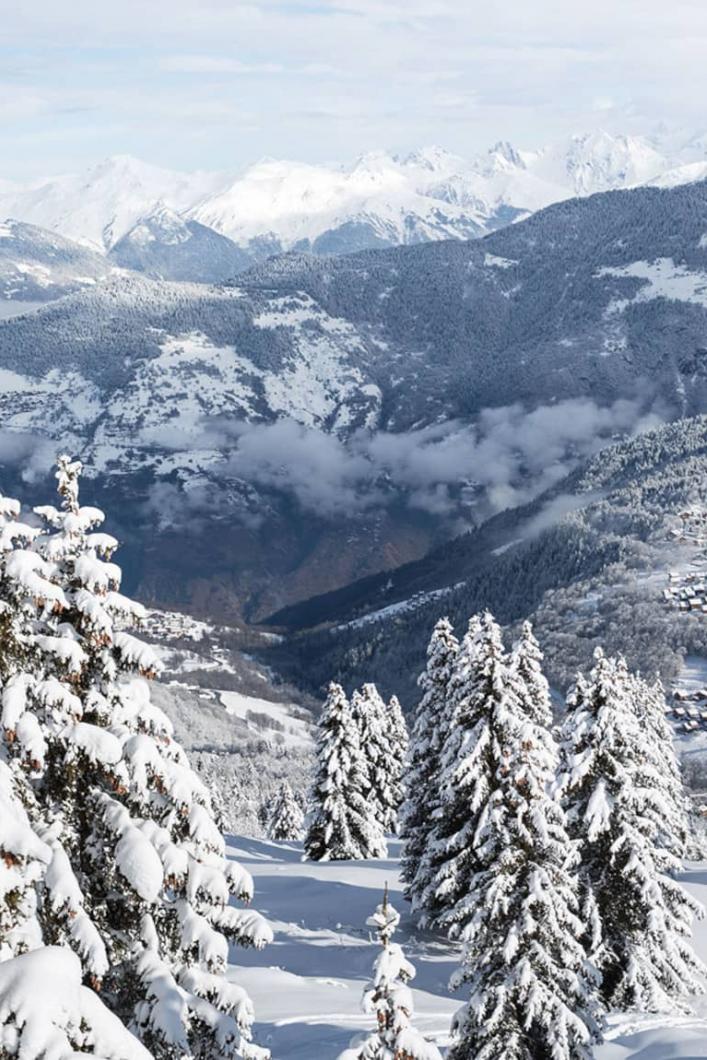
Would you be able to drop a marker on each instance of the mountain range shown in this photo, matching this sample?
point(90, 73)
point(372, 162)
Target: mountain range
point(206, 226)
point(37, 265)
point(326, 418)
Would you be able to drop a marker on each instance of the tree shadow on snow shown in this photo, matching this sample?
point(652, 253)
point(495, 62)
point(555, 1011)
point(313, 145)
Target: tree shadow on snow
point(244, 847)
point(302, 1041)
point(324, 933)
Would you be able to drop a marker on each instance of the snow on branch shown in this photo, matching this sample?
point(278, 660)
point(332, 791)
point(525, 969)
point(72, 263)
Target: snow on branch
point(70, 1018)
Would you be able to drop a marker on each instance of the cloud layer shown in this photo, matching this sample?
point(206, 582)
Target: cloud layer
point(456, 472)
point(451, 470)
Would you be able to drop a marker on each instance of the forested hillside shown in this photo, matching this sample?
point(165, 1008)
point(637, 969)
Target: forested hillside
point(588, 561)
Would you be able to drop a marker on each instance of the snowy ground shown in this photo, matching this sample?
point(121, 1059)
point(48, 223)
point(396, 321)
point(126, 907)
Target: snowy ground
point(307, 985)
point(296, 732)
point(15, 308)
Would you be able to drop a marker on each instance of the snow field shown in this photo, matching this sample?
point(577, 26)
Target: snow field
point(662, 279)
point(295, 731)
point(308, 1001)
point(308, 984)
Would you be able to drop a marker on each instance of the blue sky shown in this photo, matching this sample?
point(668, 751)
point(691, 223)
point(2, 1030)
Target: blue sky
point(219, 83)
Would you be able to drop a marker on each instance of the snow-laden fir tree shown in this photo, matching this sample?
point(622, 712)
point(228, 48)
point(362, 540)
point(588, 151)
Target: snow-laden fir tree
point(422, 774)
point(638, 918)
point(389, 999)
point(285, 819)
point(399, 744)
point(381, 742)
point(479, 682)
point(532, 990)
point(650, 708)
point(137, 884)
point(341, 823)
point(532, 685)
point(45, 1010)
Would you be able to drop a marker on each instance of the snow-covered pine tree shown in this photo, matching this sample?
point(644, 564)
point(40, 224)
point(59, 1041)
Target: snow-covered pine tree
point(399, 744)
point(137, 884)
point(479, 683)
point(365, 711)
point(341, 823)
point(71, 1017)
point(638, 919)
point(650, 707)
point(45, 1010)
point(389, 999)
point(286, 819)
point(532, 991)
point(422, 774)
point(527, 660)
point(382, 737)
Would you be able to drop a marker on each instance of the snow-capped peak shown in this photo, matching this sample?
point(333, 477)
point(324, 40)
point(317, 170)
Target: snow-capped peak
point(102, 203)
point(160, 223)
point(597, 161)
point(427, 194)
point(503, 157)
point(436, 159)
point(373, 162)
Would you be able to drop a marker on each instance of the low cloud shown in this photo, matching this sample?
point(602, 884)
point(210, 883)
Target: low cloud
point(452, 470)
point(325, 474)
point(32, 453)
point(557, 508)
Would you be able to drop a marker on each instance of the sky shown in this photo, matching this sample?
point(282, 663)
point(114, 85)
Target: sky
point(218, 84)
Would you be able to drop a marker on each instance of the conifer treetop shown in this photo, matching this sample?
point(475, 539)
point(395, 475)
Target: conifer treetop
point(67, 475)
point(532, 992)
point(382, 736)
point(621, 807)
point(342, 824)
point(429, 731)
point(527, 660)
point(285, 819)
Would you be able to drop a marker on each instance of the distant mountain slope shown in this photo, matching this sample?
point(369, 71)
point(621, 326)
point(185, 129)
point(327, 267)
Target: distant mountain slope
point(101, 204)
point(429, 194)
point(588, 296)
point(379, 201)
point(165, 246)
point(673, 451)
point(37, 265)
point(593, 575)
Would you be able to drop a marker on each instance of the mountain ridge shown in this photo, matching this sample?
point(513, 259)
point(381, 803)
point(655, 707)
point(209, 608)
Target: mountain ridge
point(379, 199)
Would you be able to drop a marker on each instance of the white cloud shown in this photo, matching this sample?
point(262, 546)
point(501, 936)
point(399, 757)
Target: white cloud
point(416, 71)
point(506, 457)
point(215, 64)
